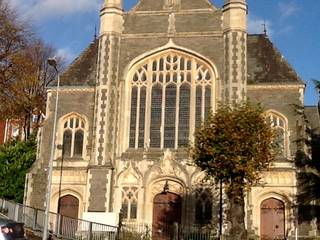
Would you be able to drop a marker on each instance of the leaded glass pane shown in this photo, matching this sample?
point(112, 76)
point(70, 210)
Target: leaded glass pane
point(133, 116)
point(67, 138)
point(142, 113)
point(184, 116)
point(124, 210)
point(207, 102)
point(133, 210)
point(198, 106)
point(170, 116)
point(78, 143)
point(156, 110)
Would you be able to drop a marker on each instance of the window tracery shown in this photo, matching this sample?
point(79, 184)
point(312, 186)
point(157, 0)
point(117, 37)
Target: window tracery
point(73, 137)
point(170, 96)
point(203, 206)
point(279, 123)
point(129, 206)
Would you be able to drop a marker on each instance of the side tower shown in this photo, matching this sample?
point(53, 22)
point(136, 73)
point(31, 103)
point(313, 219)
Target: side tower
point(106, 102)
point(235, 50)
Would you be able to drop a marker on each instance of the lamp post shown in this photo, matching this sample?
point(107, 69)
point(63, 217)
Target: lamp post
point(53, 63)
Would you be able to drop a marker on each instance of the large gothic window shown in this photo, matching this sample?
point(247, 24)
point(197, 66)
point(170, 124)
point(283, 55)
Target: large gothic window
point(279, 123)
point(171, 95)
point(73, 137)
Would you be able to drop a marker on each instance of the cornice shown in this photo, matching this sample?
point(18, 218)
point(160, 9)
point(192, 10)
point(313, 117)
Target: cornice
point(165, 12)
point(72, 89)
point(176, 35)
point(276, 86)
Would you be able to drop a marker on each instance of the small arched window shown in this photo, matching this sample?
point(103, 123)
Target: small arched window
point(73, 137)
point(203, 206)
point(279, 123)
point(129, 206)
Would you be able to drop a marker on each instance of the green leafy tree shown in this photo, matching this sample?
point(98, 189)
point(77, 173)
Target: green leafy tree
point(234, 146)
point(15, 160)
point(317, 87)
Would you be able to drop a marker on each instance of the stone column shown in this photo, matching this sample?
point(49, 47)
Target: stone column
point(235, 51)
point(106, 105)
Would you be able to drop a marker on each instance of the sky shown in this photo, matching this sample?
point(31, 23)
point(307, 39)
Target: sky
point(292, 25)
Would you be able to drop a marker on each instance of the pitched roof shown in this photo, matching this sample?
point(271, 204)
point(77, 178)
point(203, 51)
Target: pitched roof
point(82, 71)
point(266, 64)
point(313, 118)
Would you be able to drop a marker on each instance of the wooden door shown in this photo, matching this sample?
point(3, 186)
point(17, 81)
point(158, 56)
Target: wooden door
point(166, 215)
point(68, 208)
point(272, 222)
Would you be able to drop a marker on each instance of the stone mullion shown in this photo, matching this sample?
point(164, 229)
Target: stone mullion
point(193, 88)
point(148, 103)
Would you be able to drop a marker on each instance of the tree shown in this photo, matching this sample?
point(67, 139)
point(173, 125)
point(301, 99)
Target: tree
point(24, 73)
point(234, 146)
point(15, 160)
point(317, 87)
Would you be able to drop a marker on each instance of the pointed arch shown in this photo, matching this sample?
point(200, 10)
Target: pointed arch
point(280, 123)
point(161, 88)
point(72, 133)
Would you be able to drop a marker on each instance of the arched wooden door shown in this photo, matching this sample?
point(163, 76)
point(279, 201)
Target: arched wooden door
point(166, 212)
point(272, 222)
point(68, 208)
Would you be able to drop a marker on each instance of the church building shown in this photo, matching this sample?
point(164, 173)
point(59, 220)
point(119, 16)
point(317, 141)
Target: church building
point(130, 103)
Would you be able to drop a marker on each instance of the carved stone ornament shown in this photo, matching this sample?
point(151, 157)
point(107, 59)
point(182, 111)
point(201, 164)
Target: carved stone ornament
point(172, 24)
point(172, 4)
point(167, 163)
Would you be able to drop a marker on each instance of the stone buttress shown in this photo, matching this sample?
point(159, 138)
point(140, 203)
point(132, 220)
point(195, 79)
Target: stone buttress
point(235, 50)
point(100, 174)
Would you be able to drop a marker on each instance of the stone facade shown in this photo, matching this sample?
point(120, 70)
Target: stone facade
point(118, 96)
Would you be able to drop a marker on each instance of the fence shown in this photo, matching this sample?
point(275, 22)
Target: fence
point(134, 231)
point(59, 226)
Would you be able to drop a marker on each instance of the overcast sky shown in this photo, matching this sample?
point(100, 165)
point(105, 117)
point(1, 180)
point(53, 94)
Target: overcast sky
point(293, 26)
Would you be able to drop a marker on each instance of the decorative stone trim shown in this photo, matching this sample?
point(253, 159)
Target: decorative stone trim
point(177, 35)
point(276, 86)
point(72, 89)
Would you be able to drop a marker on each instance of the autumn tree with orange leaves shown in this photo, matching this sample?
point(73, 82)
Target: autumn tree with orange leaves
point(24, 73)
point(234, 146)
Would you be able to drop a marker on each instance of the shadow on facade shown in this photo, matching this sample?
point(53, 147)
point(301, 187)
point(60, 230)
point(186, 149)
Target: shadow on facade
point(308, 197)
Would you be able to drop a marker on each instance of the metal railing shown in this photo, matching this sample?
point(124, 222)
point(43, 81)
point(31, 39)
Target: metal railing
point(136, 231)
point(59, 226)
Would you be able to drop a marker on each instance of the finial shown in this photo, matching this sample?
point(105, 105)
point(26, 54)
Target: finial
point(264, 28)
point(95, 32)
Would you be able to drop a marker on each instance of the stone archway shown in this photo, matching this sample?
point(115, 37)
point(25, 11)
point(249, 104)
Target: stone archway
point(272, 219)
point(166, 213)
point(68, 208)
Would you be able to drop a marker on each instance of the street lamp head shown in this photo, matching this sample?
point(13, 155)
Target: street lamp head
point(52, 62)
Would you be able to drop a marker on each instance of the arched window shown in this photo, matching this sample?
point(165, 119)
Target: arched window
point(279, 123)
point(73, 137)
point(203, 206)
point(129, 206)
point(171, 94)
